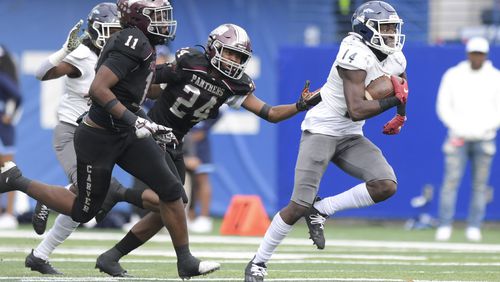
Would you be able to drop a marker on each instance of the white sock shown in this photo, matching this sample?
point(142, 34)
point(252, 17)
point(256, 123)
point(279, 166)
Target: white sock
point(276, 232)
point(63, 227)
point(356, 197)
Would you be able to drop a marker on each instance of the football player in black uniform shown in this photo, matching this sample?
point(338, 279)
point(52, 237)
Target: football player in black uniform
point(114, 133)
point(198, 83)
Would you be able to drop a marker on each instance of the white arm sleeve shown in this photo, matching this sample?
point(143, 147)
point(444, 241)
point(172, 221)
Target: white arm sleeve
point(52, 61)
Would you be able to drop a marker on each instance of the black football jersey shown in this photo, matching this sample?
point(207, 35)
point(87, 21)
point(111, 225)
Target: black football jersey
point(194, 92)
point(130, 56)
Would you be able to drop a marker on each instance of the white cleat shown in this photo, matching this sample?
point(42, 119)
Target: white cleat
point(208, 267)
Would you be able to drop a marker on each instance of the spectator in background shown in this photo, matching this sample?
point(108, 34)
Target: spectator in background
point(468, 104)
point(201, 189)
point(10, 102)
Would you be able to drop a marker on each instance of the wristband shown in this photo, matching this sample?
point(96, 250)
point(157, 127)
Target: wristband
point(388, 103)
point(128, 117)
point(109, 105)
point(264, 112)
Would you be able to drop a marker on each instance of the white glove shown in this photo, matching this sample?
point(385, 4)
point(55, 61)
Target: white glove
point(145, 128)
point(73, 40)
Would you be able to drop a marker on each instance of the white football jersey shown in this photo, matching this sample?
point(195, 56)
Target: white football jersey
point(72, 103)
point(329, 116)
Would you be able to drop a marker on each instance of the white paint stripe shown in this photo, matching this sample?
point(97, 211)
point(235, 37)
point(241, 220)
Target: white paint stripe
point(89, 250)
point(420, 246)
point(229, 260)
point(85, 279)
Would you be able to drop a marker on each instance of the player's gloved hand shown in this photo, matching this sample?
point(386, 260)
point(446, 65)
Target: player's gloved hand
point(394, 125)
point(163, 139)
point(73, 40)
point(308, 99)
point(145, 128)
point(400, 88)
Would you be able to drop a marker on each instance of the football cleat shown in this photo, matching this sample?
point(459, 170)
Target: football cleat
point(316, 224)
point(255, 272)
point(40, 218)
point(9, 172)
point(110, 266)
point(194, 267)
point(40, 265)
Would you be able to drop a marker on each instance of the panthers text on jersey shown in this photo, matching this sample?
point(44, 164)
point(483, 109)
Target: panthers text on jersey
point(329, 116)
point(130, 56)
point(195, 91)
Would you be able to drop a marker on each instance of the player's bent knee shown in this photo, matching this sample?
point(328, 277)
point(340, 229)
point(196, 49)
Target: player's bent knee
point(381, 190)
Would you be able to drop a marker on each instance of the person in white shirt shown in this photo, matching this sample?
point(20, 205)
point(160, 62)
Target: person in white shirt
point(75, 62)
point(332, 131)
point(468, 104)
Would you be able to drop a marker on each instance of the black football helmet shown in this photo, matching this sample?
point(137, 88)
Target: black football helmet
point(100, 22)
point(379, 25)
point(153, 17)
point(234, 38)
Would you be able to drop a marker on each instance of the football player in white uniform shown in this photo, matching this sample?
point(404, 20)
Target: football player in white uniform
point(332, 131)
point(77, 62)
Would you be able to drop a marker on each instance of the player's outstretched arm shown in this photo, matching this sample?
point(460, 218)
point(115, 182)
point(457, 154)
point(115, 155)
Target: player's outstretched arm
point(270, 113)
point(54, 67)
point(279, 113)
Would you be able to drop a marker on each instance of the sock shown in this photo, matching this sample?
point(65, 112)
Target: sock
point(183, 252)
point(356, 197)
point(134, 196)
point(276, 232)
point(63, 227)
point(129, 243)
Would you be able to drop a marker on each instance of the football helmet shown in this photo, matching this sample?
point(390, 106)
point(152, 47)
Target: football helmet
point(235, 39)
point(100, 22)
point(153, 17)
point(379, 25)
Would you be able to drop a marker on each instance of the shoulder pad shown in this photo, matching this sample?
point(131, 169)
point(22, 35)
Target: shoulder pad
point(81, 52)
point(354, 54)
point(190, 57)
point(133, 43)
point(400, 59)
point(242, 86)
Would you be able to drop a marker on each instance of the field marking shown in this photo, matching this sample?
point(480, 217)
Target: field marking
point(295, 260)
point(113, 279)
point(214, 239)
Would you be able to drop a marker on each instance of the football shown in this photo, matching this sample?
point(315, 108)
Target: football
point(380, 88)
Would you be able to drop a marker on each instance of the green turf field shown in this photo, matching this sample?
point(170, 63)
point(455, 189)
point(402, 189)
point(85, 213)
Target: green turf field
point(354, 252)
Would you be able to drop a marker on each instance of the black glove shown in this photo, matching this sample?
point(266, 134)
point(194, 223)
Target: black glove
point(308, 99)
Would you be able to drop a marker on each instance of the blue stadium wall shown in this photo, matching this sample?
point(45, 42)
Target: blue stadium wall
point(260, 163)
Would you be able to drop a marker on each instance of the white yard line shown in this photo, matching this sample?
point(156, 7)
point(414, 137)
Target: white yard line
point(115, 236)
point(112, 279)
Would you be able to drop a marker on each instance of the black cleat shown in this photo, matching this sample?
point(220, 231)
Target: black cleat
point(255, 272)
point(112, 198)
point(195, 267)
point(110, 266)
point(9, 172)
point(316, 224)
point(40, 265)
point(40, 218)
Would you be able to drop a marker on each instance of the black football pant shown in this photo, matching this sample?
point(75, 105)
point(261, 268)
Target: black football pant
point(98, 150)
